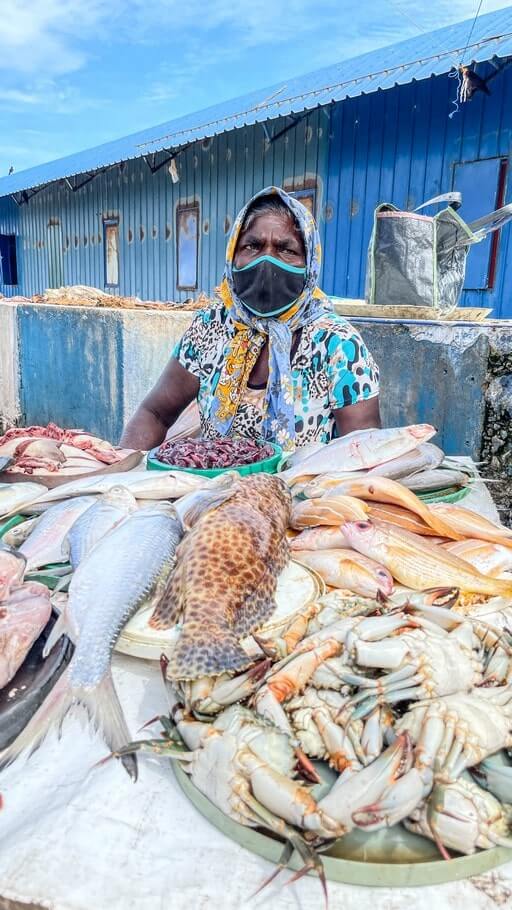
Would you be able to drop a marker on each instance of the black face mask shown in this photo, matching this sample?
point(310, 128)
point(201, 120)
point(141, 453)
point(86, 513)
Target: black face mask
point(267, 286)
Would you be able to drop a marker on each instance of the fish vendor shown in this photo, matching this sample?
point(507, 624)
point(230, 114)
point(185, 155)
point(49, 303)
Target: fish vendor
point(270, 358)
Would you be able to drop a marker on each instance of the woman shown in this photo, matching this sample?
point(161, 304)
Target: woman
point(269, 358)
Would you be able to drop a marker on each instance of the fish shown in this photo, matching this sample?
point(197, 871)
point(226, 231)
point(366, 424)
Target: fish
point(106, 590)
point(488, 558)
point(323, 484)
point(469, 524)
point(15, 536)
point(46, 544)
point(154, 485)
point(381, 489)
point(418, 564)
point(13, 496)
point(223, 585)
point(434, 479)
point(12, 569)
point(23, 615)
point(345, 568)
point(327, 511)
point(321, 538)
point(424, 456)
point(96, 521)
point(360, 449)
point(403, 518)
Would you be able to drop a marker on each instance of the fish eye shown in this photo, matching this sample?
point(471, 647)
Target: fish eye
point(363, 525)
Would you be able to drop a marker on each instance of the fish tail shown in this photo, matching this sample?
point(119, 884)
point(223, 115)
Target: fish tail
point(102, 706)
point(206, 651)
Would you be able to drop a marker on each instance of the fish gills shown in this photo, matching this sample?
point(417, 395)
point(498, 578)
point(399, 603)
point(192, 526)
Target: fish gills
point(224, 583)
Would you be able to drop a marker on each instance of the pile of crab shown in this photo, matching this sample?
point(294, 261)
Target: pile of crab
point(408, 700)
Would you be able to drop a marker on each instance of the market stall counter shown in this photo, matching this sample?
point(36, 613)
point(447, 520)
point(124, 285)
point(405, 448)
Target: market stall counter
point(78, 835)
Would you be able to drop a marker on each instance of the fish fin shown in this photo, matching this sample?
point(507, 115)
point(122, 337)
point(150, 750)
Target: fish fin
point(259, 607)
point(206, 649)
point(59, 629)
point(102, 705)
point(191, 507)
point(168, 606)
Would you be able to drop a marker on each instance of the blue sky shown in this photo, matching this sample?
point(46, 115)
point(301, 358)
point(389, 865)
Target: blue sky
point(76, 73)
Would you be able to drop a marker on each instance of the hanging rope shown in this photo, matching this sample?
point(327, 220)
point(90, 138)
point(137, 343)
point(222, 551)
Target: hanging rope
point(463, 74)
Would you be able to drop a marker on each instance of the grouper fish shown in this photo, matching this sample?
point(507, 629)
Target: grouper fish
point(224, 582)
point(109, 585)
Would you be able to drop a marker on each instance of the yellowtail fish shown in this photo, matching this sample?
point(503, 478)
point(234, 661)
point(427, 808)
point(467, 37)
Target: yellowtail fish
point(488, 558)
point(469, 524)
point(418, 564)
point(321, 538)
point(349, 569)
point(327, 511)
point(381, 489)
point(403, 518)
point(361, 449)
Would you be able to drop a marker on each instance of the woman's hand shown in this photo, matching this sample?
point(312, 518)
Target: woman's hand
point(172, 393)
point(363, 415)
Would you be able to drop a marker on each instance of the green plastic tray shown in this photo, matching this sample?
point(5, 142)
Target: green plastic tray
point(451, 494)
point(389, 846)
point(266, 466)
point(11, 523)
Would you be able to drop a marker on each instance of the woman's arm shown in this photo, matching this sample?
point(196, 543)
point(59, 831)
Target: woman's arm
point(360, 416)
point(172, 393)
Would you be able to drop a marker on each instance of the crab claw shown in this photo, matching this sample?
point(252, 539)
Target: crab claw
point(363, 788)
point(396, 802)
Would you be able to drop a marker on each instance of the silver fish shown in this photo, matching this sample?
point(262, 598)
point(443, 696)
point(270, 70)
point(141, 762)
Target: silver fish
point(97, 521)
point(106, 590)
point(142, 484)
point(15, 536)
point(360, 449)
point(424, 456)
point(437, 479)
point(46, 543)
point(13, 496)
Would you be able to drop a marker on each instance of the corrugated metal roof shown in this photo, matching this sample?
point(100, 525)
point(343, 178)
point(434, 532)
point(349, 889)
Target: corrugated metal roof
point(433, 53)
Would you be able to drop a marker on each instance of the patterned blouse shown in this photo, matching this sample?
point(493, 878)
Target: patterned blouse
point(331, 368)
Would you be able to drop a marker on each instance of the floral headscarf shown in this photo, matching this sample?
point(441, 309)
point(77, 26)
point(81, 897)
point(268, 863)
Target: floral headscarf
point(252, 332)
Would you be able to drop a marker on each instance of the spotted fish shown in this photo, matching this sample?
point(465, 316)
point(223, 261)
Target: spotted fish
point(224, 582)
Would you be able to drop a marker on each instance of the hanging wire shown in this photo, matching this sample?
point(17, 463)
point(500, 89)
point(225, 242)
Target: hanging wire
point(472, 30)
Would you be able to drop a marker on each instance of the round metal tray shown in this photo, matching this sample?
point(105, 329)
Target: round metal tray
point(392, 857)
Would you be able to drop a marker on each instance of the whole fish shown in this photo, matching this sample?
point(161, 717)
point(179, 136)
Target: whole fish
point(327, 511)
point(348, 569)
point(419, 459)
point(324, 484)
point(435, 479)
point(23, 616)
point(403, 518)
point(418, 564)
point(46, 544)
point(12, 569)
point(141, 484)
point(223, 586)
point(321, 538)
point(469, 524)
point(13, 496)
point(488, 558)
point(381, 489)
point(100, 518)
point(105, 591)
point(361, 449)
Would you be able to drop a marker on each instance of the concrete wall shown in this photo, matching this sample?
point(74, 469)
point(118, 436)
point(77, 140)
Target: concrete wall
point(90, 368)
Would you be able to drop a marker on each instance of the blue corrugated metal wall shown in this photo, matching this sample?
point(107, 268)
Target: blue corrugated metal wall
point(219, 173)
point(398, 146)
point(401, 146)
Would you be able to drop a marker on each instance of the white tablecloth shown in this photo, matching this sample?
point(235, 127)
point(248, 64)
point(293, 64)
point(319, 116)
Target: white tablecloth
point(76, 839)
